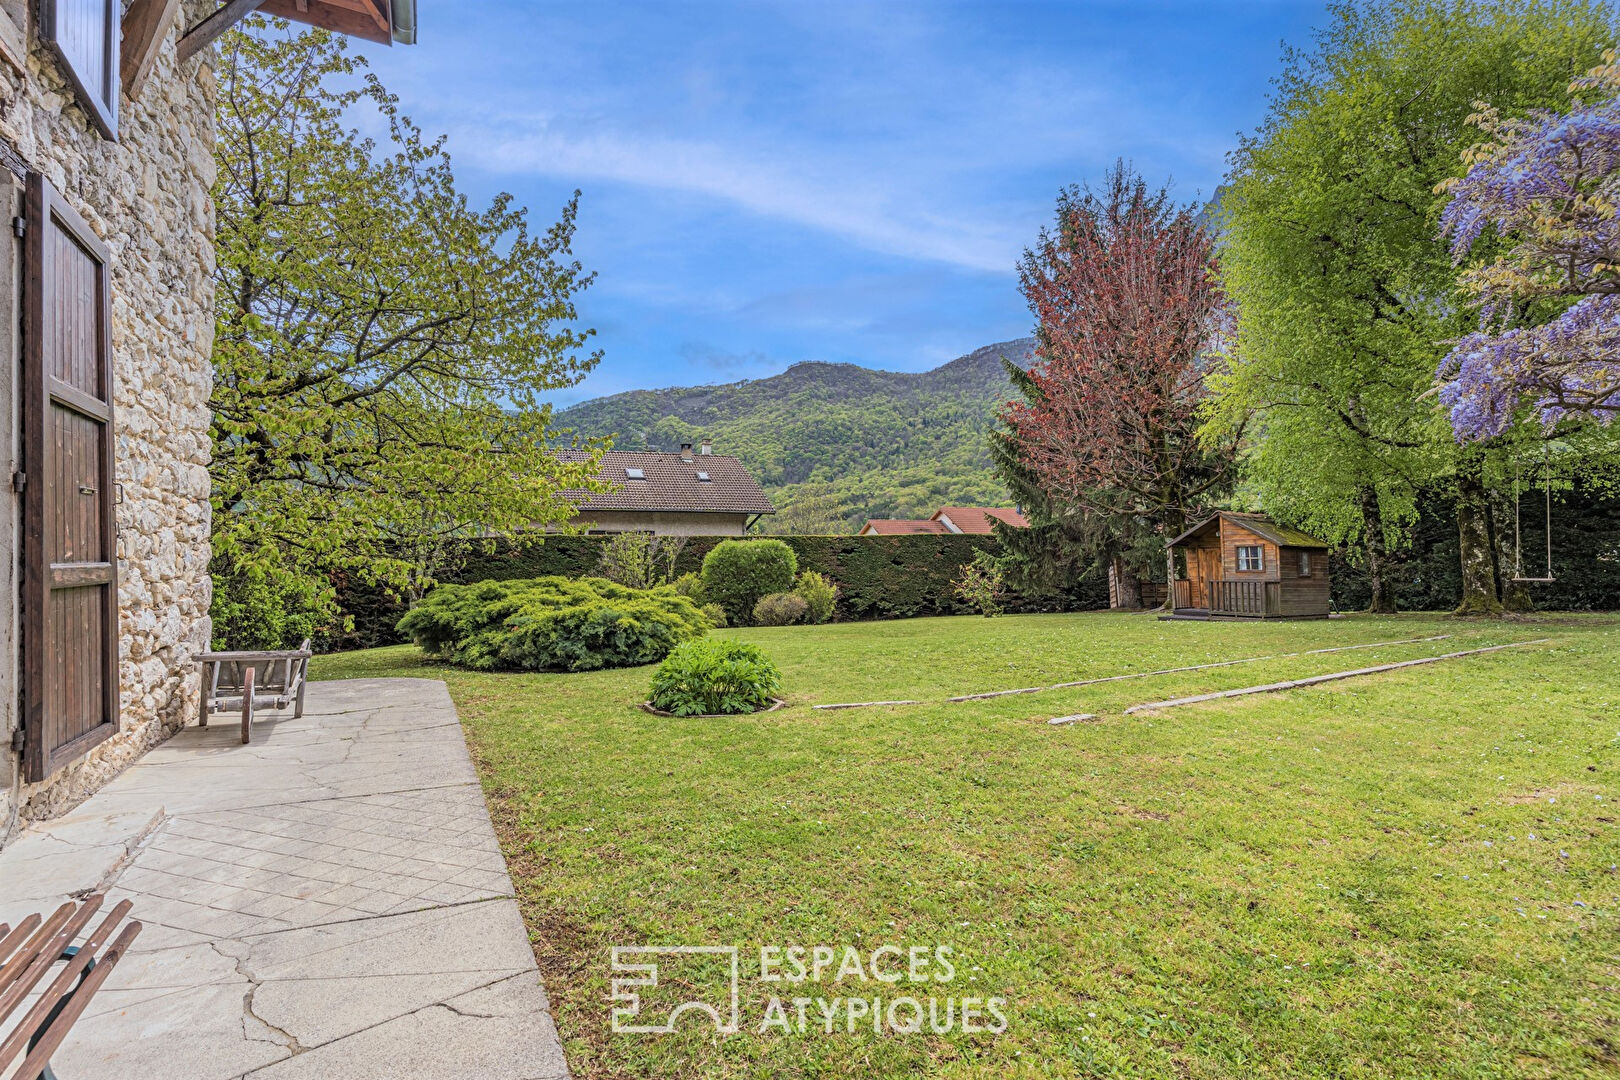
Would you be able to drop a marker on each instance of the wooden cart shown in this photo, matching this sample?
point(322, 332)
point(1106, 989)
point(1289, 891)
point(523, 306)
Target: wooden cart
point(248, 681)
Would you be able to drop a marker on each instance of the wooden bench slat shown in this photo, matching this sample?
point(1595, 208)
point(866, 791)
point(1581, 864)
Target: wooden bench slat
point(40, 1055)
point(16, 936)
point(19, 963)
point(47, 955)
point(62, 986)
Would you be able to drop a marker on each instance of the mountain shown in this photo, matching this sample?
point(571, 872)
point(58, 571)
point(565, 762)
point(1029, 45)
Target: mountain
point(870, 443)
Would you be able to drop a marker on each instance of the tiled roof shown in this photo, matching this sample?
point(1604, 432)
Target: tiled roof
point(979, 519)
point(900, 527)
point(672, 483)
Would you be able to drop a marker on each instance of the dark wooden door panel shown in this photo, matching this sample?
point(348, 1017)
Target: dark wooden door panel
point(70, 573)
point(74, 530)
point(70, 350)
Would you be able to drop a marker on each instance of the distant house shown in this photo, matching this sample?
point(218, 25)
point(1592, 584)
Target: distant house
point(970, 520)
point(682, 494)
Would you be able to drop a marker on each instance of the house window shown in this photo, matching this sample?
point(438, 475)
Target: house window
point(1304, 564)
point(703, 477)
point(634, 474)
point(1251, 557)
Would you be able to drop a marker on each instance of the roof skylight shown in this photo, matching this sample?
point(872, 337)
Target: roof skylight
point(634, 474)
point(703, 476)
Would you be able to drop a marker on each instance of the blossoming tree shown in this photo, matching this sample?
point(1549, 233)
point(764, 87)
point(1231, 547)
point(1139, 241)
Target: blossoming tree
point(1550, 304)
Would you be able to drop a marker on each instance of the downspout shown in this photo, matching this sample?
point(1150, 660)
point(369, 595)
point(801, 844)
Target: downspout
point(404, 19)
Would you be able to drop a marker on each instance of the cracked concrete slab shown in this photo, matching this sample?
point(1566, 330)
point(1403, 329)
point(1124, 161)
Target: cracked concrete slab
point(328, 901)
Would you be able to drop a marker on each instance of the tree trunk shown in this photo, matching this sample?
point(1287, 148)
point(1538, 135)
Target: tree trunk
point(1383, 597)
point(1124, 587)
point(1481, 584)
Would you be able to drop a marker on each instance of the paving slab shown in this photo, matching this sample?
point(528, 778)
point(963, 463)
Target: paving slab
point(328, 901)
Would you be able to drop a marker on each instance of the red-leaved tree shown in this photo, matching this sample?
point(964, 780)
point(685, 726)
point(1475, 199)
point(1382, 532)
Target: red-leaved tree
point(1129, 315)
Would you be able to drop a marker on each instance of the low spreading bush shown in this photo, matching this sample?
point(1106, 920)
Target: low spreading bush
point(819, 595)
point(712, 676)
point(736, 573)
point(715, 614)
point(552, 624)
point(780, 609)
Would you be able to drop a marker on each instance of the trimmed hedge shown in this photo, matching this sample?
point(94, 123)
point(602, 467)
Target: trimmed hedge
point(878, 577)
point(552, 624)
point(737, 573)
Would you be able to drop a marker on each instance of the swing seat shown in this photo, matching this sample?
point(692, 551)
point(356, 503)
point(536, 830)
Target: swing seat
point(1533, 580)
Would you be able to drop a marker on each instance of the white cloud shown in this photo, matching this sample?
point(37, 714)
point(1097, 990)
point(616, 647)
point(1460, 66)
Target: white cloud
point(784, 183)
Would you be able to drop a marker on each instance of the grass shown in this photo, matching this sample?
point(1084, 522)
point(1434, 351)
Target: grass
point(1405, 875)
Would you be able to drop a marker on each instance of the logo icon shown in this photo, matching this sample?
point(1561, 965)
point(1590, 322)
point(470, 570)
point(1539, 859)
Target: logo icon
point(640, 963)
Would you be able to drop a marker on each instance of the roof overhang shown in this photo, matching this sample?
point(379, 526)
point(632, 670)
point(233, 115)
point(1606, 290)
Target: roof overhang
point(381, 21)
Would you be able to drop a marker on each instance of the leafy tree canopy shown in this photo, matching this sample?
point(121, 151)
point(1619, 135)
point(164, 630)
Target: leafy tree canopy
point(381, 345)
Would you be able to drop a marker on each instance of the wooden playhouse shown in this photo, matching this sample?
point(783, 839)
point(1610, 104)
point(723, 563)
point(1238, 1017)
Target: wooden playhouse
point(1247, 566)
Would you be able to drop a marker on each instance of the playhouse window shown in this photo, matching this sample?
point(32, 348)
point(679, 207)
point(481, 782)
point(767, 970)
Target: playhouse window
point(1304, 564)
point(1251, 557)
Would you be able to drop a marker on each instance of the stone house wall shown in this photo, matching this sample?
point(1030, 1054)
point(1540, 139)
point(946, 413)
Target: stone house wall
point(665, 522)
point(147, 197)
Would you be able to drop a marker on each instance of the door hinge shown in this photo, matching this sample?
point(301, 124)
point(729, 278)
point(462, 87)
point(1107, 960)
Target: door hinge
point(19, 480)
point(18, 740)
point(19, 226)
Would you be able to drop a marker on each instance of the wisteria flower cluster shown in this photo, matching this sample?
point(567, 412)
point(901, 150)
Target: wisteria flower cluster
point(1550, 182)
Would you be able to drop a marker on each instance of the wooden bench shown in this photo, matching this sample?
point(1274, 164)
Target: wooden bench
point(27, 954)
point(254, 680)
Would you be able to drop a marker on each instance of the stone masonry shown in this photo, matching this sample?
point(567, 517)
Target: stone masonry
point(146, 196)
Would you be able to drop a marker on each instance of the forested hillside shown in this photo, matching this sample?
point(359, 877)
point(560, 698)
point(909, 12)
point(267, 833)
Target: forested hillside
point(834, 440)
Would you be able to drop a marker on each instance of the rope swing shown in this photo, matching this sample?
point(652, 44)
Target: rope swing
point(1518, 546)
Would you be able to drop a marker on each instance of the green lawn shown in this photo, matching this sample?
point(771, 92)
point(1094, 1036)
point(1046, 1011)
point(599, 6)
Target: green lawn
point(1410, 874)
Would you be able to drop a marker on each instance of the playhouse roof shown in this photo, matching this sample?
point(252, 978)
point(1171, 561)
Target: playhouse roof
point(1260, 525)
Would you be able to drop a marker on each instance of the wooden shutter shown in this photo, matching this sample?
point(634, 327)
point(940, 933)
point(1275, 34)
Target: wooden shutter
point(69, 538)
point(85, 36)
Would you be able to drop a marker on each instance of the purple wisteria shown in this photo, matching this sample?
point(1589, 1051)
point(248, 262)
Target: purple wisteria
point(1551, 184)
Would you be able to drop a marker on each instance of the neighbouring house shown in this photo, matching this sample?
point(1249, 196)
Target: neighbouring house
point(1246, 565)
point(682, 494)
point(106, 165)
point(969, 520)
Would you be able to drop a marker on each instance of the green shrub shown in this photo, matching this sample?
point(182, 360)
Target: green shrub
point(981, 585)
point(780, 609)
point(736, 573)
point(689, 584)
point(819, 595)
point(268, 607)
point(715, 614)
point(714, 675)
point(639, 560)
point(552, 624)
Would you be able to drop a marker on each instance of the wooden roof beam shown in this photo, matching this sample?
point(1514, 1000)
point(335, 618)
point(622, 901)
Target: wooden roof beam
point(204, 34)
point(146, 25)
point(369, 20)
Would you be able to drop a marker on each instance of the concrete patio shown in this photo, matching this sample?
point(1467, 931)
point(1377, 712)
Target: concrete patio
point(327, 902)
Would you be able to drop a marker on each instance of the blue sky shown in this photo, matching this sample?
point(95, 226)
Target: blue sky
point(766, 183)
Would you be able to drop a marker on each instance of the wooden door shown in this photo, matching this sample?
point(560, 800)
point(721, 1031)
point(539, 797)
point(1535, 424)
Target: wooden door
point(69, 540)
point(1208, 562)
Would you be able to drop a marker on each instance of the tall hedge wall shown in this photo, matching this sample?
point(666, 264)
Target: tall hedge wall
point(897, 577)
point(879, 577)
